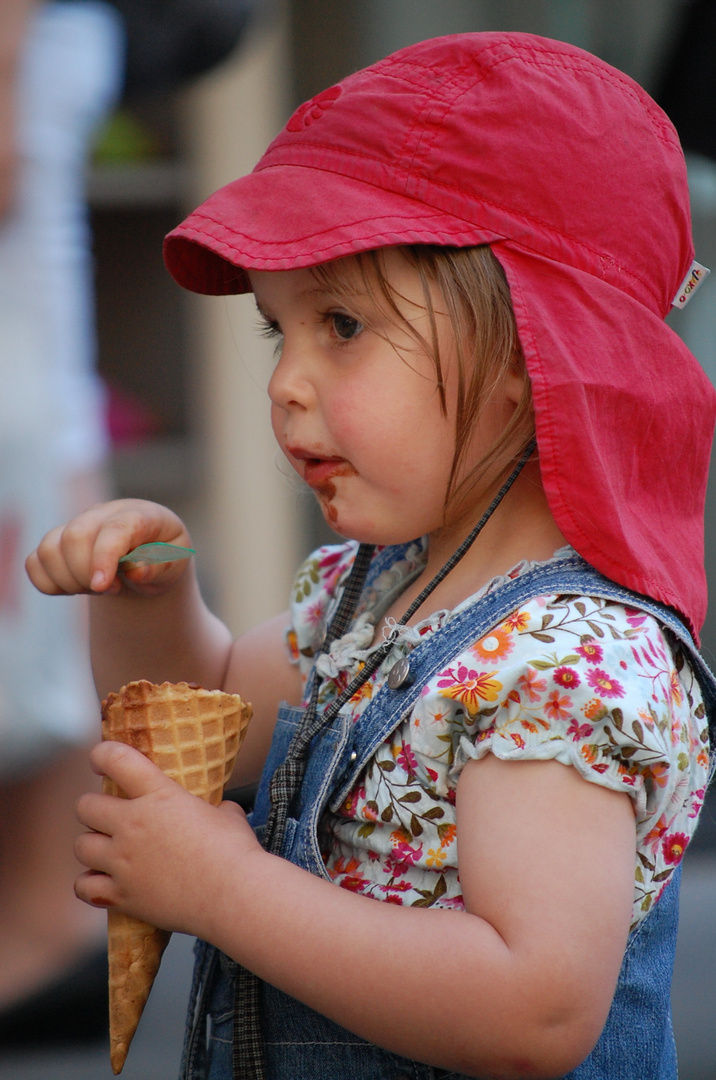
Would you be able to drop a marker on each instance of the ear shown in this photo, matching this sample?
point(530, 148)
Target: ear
point(515, 381)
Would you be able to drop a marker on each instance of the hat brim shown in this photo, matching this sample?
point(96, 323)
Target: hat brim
point(206, 254)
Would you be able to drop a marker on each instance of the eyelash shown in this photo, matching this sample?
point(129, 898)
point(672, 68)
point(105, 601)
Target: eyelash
point(272, 331)
point(267, 328)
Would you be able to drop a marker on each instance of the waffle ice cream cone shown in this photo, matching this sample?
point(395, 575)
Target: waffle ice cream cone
point(193, 735)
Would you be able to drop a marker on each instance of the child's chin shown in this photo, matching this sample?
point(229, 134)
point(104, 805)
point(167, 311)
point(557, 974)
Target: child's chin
point(346, 520)
point(343, 527)
point(365, 534)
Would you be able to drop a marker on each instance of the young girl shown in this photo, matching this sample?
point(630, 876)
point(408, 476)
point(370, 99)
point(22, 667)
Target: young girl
point(467, 245)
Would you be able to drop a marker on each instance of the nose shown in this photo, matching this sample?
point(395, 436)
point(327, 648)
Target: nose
point(290, 386)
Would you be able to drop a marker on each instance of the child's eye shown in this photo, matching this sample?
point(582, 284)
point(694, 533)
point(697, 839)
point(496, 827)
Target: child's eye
point(345, 327)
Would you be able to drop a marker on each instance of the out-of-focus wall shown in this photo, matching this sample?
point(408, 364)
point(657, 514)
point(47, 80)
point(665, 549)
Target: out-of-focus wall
point(330, 39)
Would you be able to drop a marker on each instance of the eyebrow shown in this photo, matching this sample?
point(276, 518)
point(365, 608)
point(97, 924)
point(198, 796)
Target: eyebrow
point(312, 293)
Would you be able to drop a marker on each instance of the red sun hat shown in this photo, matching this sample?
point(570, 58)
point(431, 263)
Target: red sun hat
point(576, 179)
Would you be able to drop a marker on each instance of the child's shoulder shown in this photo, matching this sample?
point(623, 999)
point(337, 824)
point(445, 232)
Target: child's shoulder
point(593, 684)
point(589, 681)
point(571, 645)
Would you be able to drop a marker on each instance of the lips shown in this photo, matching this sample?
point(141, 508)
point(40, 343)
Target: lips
point(317, 470)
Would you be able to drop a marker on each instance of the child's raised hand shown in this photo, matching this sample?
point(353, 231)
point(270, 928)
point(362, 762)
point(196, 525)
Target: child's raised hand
point(83, 555)
point(159, 854)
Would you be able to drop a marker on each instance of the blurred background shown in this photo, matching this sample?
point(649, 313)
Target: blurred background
point(186, 375)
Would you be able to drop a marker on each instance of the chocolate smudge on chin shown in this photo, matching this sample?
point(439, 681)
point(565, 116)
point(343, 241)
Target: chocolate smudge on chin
point(326, 492)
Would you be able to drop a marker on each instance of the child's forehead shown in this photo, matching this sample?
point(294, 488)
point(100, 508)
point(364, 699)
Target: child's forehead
point(296, 287)
point(295, 282)
point(351, 275)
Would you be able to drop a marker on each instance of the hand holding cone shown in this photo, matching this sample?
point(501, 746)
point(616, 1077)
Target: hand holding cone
point(193, 735)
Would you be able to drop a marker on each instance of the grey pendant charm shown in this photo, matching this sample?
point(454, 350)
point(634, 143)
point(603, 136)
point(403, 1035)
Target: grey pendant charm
point(400, 674)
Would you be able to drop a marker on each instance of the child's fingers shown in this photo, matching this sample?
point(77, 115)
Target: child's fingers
point(63, 562)
point(150, 579)
point(119, 534)
point(135, 774)
point(48, 571)
point(128, 524)
point(96, 889)
point(99, 813)
point(83, 556)
point(92, 849)
point(93, 544)
point(39, 576)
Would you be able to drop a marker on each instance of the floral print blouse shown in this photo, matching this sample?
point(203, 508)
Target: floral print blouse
point(577, 679)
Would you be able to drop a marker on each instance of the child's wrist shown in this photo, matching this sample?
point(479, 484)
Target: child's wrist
point(232, 920)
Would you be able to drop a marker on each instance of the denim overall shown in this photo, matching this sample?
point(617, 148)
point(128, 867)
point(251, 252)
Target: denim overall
point(637, 1041)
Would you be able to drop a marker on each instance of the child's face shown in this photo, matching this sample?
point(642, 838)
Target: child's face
point(355, 404)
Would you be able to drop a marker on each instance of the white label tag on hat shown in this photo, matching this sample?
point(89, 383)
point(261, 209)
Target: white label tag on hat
point(695, 277)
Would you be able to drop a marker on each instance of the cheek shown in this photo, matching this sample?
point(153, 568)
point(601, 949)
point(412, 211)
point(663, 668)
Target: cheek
point(278, 423)
point(371, 414)
point(354, 420)
point(349, 420)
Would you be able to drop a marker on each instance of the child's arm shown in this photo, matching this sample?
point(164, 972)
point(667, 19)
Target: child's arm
point(259, 669)
point(518, 985)
point(152, 623)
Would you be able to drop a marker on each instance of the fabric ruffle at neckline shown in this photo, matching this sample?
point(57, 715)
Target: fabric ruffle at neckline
point(347, 653)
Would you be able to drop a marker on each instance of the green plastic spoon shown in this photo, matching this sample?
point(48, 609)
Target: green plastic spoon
point(147, 554)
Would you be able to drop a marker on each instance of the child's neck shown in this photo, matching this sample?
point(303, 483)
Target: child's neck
point(521, 528)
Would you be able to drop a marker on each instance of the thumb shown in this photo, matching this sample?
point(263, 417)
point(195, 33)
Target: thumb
point(134, 773)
